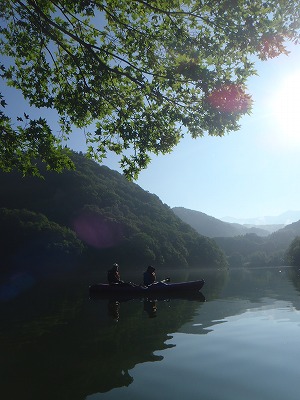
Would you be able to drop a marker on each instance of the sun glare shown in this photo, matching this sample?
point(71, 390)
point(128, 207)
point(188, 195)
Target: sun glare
point(286, 109)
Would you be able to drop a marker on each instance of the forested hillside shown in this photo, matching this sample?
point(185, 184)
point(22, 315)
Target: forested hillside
point(96, 212)
point(253, 250)
point(243, 246)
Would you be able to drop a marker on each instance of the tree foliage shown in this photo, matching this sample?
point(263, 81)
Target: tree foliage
point(136, 75)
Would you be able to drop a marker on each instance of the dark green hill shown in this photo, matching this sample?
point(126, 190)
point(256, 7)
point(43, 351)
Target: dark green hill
point(114, 218)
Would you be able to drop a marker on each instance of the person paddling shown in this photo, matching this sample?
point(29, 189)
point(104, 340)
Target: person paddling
point(113, 275)
point(149, 276)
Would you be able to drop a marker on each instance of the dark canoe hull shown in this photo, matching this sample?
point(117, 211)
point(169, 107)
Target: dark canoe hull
point(155, 291)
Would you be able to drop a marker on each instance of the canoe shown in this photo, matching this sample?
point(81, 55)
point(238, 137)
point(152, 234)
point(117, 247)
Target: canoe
point(158, 289)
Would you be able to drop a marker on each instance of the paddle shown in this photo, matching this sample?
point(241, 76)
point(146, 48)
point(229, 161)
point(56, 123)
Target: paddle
point(166, 280)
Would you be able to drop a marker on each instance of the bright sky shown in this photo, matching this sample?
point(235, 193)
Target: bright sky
point(250, 173)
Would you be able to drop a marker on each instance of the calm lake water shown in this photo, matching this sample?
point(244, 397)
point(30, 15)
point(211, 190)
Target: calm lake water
point(242, 343)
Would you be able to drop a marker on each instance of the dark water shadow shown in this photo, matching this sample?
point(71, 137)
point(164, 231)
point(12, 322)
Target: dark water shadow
point(56, 343)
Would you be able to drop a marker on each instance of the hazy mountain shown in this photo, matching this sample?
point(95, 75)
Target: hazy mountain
point(244, 245)
point(213, 227)
point(285, 218)
point(252, 250)
point(269, 228)
point(286, 234)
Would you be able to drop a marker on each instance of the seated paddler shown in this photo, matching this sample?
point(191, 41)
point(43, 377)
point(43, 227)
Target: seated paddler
point(149, 276)
point(113, 275)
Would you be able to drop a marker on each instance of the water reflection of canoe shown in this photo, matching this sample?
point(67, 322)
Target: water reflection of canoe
point(151, 297)
point(157, 290)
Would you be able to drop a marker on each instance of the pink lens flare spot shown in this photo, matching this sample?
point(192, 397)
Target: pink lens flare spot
point(97, 231)
point(230, 98)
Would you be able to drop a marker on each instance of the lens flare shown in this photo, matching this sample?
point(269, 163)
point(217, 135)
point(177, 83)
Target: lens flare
point(97, 231)
point(285, 106)
point(15, 285)
point(230, 98)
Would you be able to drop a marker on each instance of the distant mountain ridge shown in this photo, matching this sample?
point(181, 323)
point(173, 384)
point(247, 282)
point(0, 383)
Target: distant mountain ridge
point(286, 218)
point(242, 245)
point(213, 227)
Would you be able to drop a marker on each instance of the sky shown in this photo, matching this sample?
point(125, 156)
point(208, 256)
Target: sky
point(250, 173)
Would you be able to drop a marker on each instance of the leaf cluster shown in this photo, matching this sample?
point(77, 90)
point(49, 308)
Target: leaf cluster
point(136, 75)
